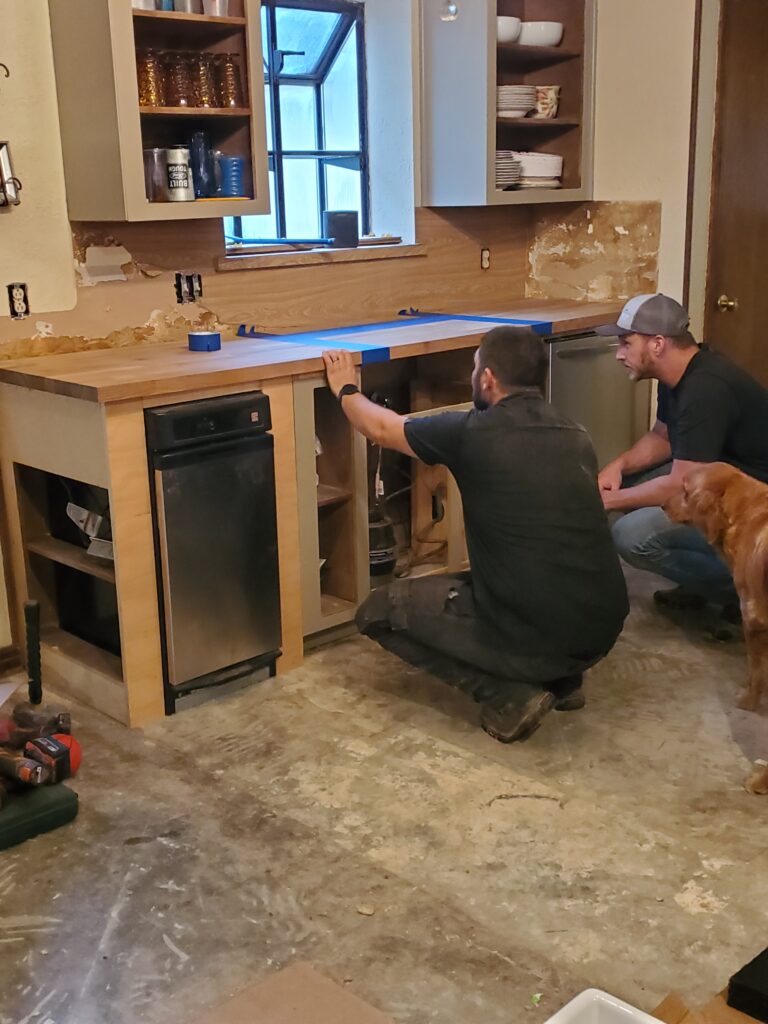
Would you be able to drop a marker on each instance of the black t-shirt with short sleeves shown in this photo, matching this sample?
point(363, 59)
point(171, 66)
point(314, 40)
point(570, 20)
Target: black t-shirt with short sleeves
point(717, 413)
point(539, 544)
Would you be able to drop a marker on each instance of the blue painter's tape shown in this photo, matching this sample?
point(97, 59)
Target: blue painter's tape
point(375, 355)
point(539, 326)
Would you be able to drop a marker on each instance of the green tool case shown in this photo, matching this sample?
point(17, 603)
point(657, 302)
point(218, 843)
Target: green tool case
point(34, 811)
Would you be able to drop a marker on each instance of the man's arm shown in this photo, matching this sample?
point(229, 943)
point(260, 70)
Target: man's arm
point(380, 425)
point(651, 450)
point(653, 492)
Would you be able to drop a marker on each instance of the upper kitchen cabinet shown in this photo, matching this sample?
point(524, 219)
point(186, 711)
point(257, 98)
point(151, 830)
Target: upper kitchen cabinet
point(507, 112)
point(162, 111)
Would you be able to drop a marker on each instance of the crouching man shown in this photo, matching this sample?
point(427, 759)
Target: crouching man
point(545, 598)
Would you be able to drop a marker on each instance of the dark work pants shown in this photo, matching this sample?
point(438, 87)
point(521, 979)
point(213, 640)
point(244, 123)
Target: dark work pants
point(432, 623)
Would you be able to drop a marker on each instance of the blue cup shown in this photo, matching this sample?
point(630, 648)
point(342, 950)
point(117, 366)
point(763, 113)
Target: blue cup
point(204, 341)
point(232, 173)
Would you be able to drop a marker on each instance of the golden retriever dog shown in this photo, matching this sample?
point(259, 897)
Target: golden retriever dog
point(731, 510)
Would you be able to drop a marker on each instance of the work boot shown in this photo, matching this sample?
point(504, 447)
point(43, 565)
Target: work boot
point(679, 599)
point(516, 713)
point(568, 693)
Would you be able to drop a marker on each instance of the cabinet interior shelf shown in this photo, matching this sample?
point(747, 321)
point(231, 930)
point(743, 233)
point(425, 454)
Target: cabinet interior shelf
point(332, 605)
point(531, 55)
point(329, 495)
point(69, 554)
point(196, 111)
point(179, 16)
point(539, 122)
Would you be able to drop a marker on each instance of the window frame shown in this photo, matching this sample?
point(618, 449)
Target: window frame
point(352, 20)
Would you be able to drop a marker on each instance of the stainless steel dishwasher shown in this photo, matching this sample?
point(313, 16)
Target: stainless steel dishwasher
point(587, 385)
point(212, 477)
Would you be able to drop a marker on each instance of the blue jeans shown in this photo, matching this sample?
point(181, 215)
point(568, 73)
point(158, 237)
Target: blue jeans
point(648, 539)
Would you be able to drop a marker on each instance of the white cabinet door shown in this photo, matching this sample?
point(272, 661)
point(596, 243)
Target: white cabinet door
point(35, 236)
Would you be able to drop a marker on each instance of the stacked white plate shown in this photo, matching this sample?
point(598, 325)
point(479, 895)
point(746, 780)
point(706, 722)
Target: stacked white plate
point(507, 169)
point(539, 170)
point(515, 100)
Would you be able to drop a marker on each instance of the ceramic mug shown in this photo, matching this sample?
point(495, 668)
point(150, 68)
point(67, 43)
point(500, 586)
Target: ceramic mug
point(547, 101)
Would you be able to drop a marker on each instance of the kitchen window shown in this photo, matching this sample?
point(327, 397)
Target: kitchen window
point(314, 90)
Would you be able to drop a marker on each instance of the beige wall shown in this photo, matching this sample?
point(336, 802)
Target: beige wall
point(642, 116)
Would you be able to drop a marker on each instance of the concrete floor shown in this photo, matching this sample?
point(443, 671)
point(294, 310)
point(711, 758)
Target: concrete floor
point(352, 815)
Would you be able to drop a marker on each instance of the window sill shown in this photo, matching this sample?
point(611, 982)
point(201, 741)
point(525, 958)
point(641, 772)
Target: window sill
point(313, 257)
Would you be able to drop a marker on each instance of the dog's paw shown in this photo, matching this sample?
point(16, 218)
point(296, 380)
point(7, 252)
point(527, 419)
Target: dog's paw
point(757, 782)
point(748, 700)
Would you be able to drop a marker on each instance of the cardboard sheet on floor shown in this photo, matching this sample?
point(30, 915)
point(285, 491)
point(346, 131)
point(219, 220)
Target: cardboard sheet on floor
point(297, 995)
point(675, 1010)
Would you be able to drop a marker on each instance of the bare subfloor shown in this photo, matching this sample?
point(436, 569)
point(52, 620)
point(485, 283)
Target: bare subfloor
point(352, 814)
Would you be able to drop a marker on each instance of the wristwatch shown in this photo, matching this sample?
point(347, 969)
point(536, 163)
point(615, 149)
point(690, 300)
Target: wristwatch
point(348, 389)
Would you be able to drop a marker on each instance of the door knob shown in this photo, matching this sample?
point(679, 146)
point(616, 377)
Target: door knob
point(726, 305)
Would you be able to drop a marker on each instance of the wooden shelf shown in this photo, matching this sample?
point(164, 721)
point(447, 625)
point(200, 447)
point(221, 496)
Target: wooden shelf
point(329, 495)
point(533, 55)
point(178, 16)
point(330, 605)
point(539, 122)
point(196, 111)
point(76, 558)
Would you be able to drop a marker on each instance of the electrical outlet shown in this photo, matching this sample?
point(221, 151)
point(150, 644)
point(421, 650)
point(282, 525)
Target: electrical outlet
point(18, 300)
point(189, 287)
point(485, 259)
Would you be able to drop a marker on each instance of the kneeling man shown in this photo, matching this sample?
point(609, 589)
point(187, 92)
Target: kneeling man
point(545, 598)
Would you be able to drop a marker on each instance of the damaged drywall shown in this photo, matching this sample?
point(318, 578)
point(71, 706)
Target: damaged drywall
point(162, 326)
point(596, 252)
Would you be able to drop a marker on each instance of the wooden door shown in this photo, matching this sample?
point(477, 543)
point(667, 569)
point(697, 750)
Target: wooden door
point(739, 225)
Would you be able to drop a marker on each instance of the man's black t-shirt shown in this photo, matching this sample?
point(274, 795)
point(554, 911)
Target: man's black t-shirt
point(539, 544)
point(717, 413)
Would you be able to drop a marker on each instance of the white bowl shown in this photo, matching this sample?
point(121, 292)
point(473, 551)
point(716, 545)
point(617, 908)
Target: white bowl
point(596, 1007)
point(540, 33)
point(507, 29)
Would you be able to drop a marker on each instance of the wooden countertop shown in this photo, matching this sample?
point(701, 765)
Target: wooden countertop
point(112, 375)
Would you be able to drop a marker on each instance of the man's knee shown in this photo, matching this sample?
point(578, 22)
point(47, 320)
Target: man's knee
point(638, 534)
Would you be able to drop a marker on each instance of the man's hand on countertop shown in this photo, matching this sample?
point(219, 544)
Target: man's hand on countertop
point(339, 369)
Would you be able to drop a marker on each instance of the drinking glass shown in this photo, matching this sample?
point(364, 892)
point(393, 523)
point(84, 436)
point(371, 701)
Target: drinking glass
point(229, 85)
point(149, 68)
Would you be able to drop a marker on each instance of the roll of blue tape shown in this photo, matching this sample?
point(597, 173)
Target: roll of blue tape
point(204, 341)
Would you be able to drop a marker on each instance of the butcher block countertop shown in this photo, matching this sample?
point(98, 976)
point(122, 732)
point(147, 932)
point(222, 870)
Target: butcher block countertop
point(113, 375)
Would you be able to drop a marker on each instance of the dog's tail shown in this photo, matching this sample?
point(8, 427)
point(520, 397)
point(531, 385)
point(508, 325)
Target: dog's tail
point(756, 576)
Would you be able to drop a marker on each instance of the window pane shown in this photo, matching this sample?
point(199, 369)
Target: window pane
point(340, 100)
point(262, 225)
point(342, 188)
point(298, 116)
point(307, 31)
point(302, 207)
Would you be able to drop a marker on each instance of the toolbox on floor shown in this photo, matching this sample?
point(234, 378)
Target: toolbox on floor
point(34, 810)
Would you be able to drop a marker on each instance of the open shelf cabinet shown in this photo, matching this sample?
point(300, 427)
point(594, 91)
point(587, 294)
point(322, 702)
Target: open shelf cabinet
point(461, 132)
point(80, 632)
point(330, 468)
point(105, 131)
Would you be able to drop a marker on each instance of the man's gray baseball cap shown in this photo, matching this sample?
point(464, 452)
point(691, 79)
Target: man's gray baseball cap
point(649, 314)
